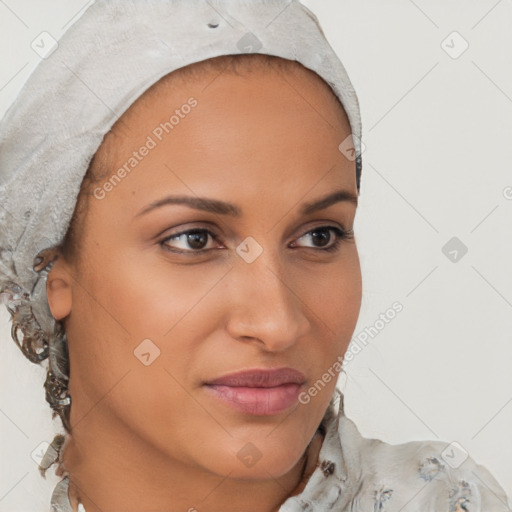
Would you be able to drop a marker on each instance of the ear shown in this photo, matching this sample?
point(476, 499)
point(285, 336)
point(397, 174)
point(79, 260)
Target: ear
point(59, 287)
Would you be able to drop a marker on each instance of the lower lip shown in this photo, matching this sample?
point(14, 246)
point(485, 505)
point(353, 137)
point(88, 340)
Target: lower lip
point(257, 401)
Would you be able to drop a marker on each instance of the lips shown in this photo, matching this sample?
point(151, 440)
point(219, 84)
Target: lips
point(260, 378)
point(258, 392)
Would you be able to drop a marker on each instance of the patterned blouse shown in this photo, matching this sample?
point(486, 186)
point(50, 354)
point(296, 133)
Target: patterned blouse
point(358, 474)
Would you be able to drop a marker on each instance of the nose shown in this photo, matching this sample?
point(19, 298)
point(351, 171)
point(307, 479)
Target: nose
point(264, 304)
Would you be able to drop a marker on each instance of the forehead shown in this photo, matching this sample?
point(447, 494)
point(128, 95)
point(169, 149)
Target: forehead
point(218, 82)
point(266, 127)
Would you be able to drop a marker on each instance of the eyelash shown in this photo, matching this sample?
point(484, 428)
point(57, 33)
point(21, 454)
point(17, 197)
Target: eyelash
point(340, 235)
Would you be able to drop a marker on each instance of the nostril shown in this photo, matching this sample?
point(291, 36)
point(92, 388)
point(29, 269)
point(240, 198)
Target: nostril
point(213, 24)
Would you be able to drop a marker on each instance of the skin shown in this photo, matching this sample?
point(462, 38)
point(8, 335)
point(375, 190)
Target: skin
point(150, 438)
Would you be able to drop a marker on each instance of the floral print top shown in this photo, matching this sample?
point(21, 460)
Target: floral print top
point(358, 474)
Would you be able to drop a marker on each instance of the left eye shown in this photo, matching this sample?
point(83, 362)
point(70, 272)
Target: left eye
point(197, 239)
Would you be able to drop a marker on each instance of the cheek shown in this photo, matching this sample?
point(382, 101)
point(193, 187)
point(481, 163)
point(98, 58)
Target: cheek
point(138, 303)
point(131, 342)
point(334, 301)
point(333, 293)
point(153, 298)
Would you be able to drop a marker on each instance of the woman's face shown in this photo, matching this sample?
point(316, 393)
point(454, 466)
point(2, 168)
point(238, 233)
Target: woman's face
point(151, 316)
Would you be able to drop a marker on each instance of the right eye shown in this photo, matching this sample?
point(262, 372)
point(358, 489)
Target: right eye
point(193, 241)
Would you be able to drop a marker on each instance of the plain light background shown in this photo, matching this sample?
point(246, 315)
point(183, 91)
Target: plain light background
point(434, 81)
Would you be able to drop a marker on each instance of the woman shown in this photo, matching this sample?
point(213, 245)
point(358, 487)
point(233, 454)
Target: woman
point(206, 281)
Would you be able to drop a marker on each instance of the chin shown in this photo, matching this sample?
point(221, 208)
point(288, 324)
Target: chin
point(246, 460)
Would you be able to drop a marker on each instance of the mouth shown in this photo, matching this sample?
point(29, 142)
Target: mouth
point(258, 392)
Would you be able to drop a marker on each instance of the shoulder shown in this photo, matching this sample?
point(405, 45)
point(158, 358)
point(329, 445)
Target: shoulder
point(355, 473)
point(439, 476)
point(431, 476)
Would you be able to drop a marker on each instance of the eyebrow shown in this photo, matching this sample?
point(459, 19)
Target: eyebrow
point(223, 208)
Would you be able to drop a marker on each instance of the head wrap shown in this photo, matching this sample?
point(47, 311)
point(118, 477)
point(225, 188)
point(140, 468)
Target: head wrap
point(104, 61)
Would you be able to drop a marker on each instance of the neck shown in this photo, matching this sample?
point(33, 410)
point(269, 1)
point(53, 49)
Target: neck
point(111, 469)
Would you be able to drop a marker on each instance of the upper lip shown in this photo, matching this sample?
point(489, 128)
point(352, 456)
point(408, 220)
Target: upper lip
point(260, 378)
